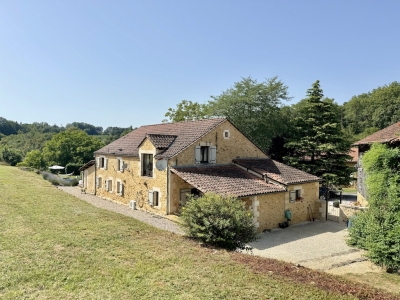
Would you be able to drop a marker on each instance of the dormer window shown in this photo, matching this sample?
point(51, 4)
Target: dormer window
point(147, 165)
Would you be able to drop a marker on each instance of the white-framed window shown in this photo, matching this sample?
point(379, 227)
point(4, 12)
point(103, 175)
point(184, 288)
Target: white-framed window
point(153, 198)
point(227, 134)
point(120, 164)
point(120, 188)
point(295, 195)
point(102, 162)
point(147, 165)
point(98, 182)
point(109, 185)
point(205, 154)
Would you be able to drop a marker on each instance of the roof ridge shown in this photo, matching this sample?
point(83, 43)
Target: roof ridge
point(186, 121)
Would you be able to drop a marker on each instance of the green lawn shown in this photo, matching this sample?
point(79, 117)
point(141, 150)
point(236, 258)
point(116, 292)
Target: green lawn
point(55, 246)
point(349, 190)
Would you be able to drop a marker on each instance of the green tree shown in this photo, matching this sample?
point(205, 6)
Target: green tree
point(254, 107)
point(10, 156)
point(219, 220)
point(187, 110)
point(378, 108)
point(318, 144)
point(70, 146)
point(34, 159)
point(378, 229)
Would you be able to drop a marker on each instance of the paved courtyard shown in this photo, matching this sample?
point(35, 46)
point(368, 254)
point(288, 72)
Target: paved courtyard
point(319, 245)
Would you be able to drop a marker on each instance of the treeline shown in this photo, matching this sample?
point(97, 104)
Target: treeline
point(8, 127)
point(19, 139)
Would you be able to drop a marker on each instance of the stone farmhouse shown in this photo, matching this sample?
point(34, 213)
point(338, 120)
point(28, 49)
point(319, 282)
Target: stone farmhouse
point(390, 136)
point(156, 167)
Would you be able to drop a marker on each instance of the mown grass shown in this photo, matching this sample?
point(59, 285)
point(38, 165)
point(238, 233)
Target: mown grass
point(55, 246)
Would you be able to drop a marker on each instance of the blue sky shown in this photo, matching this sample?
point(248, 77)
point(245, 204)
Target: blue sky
point(122, 63)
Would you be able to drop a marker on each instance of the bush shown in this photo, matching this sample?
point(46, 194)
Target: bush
point(217, 220)
point(378, 229)
point(10, 156)
point(72, 168)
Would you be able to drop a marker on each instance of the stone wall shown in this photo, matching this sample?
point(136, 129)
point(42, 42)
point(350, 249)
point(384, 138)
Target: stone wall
point(89, 181)
point(176, 185)
point(347, 211)
point(320, 210)
point(299, 209)
point(136, 186)
point(228, 148)
point(269, 210)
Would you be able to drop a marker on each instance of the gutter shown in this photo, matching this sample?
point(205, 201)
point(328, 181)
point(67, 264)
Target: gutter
point(95, 176)
point(168, 210)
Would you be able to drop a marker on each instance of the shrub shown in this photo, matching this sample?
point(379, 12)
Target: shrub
point(10, 156)
point(72, 167)
point(378, 229)
point(217, 220)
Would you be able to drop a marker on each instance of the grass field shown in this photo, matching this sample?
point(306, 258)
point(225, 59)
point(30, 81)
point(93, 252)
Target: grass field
point(55, 246)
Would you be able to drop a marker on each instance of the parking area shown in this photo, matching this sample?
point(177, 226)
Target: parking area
point(319, 245)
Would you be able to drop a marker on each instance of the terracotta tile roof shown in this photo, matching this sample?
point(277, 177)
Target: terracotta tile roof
point(386, 135)
point(276, 170)
point(186, 134)
point(225, 179)
point(354, 154)
point(161, 141)
point(87, 165)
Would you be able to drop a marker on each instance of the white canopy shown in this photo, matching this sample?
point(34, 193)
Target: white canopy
point(56, 168)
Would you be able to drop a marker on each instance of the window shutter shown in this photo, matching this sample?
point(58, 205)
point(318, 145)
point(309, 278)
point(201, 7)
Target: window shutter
point(212, 155)
point(151, 197)
point(98, 162)
point(121, 165)
point(292, 195)
point(197, 154)
point(155, 198)
point(107, 186)
point(97, 182)
point(121, 189)
point(105, 163)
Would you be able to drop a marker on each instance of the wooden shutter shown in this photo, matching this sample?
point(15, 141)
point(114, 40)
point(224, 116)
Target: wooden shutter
point(98, 162)
point(107, 189)
point(155, 198)
point(197, 154)
point(121, 165)
point(151, 197)
point(97, 182)
point(212, 158)
point(121, 189)
point(105, 163)
point(292, 196)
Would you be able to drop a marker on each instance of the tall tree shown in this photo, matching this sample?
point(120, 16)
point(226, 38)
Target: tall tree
point(70, 146)
point(376, 109)
point(186, 110)
point(318, 145)
point(254, 107)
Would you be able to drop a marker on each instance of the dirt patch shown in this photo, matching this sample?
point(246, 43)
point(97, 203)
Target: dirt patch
point(319, 279)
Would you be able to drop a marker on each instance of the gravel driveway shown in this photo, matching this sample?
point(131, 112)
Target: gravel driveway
point(317, 245)
point(146, 217)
